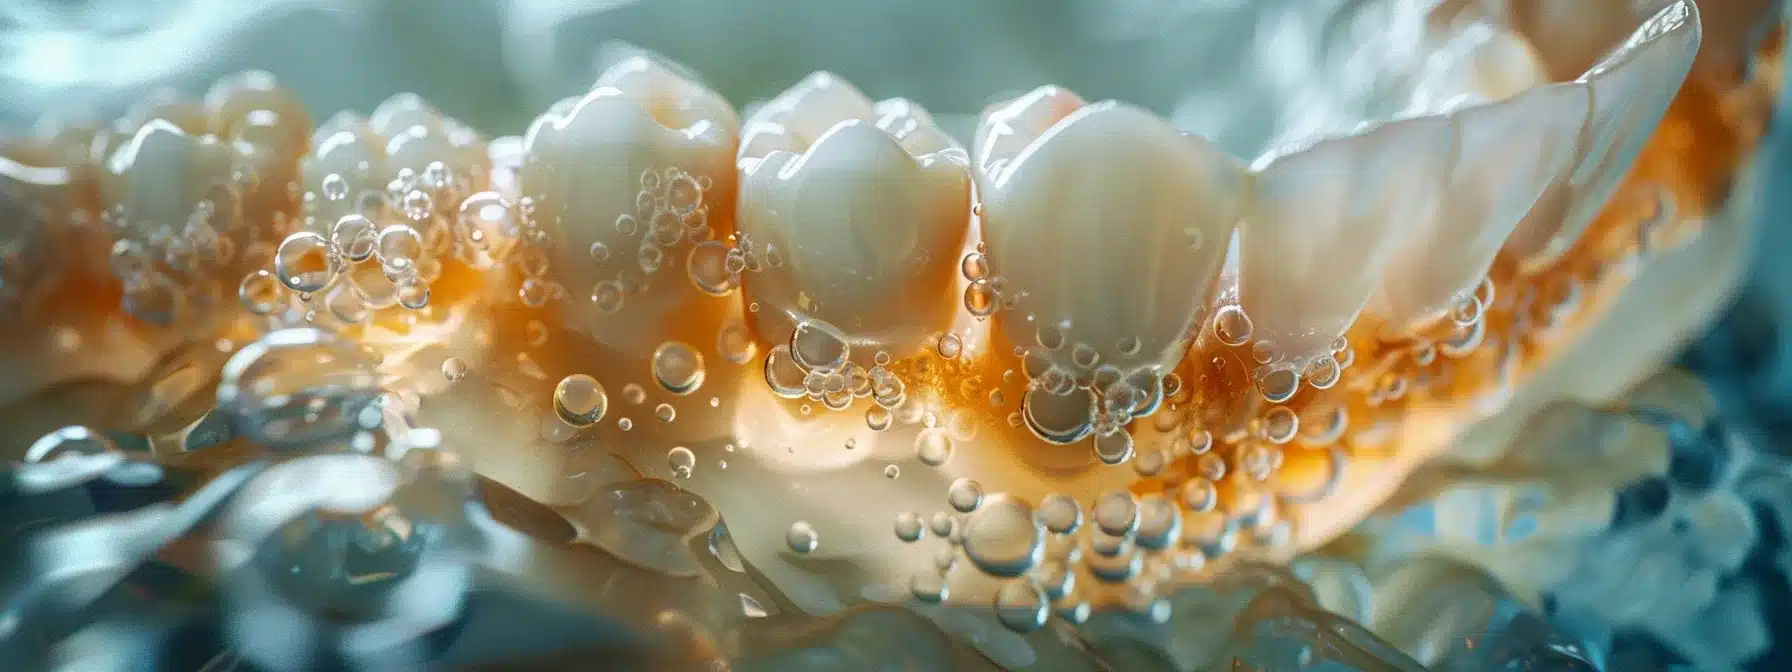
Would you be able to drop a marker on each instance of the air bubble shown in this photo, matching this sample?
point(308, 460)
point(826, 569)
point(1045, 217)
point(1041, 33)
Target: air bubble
point(892, 471)
point(974, 266)
point(399, 248)
point(650, 257)
point(1278, 383)
point(1060, 419)
point(1323, 373)
point(303, 262)
point(1231, 326)
point(1060, 513)
point(682, 461)
point(261, 293)
point(1116, 513)
point(607, 296)
point(950, 346)
point(335, 188)
point(783, 375)
point(678, 367)
point(580, 400)
point(1199, 494)
point(707, 268)
point(665, 412)
point(682, 193)
point(1279, 424)
point(454, 368)
point(942, 525)
point(1113, 446)
point(802, 538)
point(1466, 312)
point(418, 205)
point(626, 224)
point(600, 252)
point(909, 527)
point(933, 447)
point(1003, 537)
point(1021, 606)
point(353, 237)
point(980, 299)
point(818, 346)
point(413, 295)
point(877, 418)
point(928, 587)
point(965, 495)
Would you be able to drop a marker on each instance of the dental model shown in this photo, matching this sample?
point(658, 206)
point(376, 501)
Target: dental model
point(1068, 364)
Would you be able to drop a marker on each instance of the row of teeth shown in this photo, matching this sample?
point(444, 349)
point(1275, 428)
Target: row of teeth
point(1098, 241)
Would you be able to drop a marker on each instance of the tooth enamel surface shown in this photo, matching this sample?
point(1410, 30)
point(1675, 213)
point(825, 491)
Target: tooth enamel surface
point(344, 173)
point(1108, 223)
point(1323, 223)
point(643, 165)
point(1507, 154)
point(861, 224)
point(154, 183)
point(1630, 90)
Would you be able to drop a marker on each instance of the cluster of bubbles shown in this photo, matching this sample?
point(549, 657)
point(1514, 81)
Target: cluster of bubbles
point(669, 210)
point(817, 365)
point(160, 265)
point(385, 252)
point(1046, 557)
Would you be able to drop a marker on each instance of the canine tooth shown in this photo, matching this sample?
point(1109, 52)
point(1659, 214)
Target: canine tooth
point(869, 227)
point(1630, 89)
point(1507, 154)
point(1324, 222)
point(621, 146)
point(1110, 223)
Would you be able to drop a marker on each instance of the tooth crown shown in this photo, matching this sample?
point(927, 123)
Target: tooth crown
point(622, 183)
point(155, 181)
point(1111, 226)
point(862, 211)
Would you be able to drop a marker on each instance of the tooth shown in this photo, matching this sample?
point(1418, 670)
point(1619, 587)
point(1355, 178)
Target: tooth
point(416, 135)
point(1109, 224)
point(170, 106)
point(1324, 222)
point(345, 172)
point(1507, 154)
point(584, 168)
point(154, 182)
point(867, 226)
point(267, 126)
point(1630, 89)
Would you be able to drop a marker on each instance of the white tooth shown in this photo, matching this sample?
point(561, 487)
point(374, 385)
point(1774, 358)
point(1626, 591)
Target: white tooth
point(1631, 90)
point(168, 105)
point(357, 159)
point(866, 230)
point(797, 118)
point(416, 135)
point(584, 168)
point(1323, 223)
point(1008, 128)
point(157, 179)
point(1109, 223)
point(1481, 63)
point(1507, 154)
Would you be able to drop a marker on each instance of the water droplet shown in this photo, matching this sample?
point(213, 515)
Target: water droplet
point(303, 262)
point(909, 527)
point(454, 368)
point(682, 461)
point(1003, 537)
point(678, 367)
point(1021, 606)
point(965, 495)
point(802, 538)
point(933, 447)
point(580, 400)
